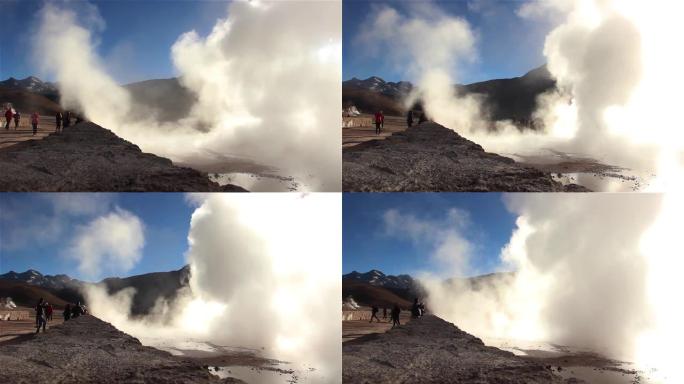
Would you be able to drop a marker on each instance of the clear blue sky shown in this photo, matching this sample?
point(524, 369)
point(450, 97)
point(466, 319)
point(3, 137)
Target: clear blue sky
point(166, 217)
point(367, 245)
point(135, 43)
point(508, 46)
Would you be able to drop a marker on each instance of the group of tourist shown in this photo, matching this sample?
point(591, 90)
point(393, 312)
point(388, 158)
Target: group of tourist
point(379, 119)
point(44, 312)
point(417, 311)
point(62, 120)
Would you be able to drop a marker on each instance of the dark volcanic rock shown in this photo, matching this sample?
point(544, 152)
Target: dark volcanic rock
point(87, 157)
point(431, 350)
point(430, 157)
point(88, 350)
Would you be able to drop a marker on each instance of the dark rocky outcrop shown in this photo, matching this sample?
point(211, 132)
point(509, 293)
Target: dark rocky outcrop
point(430, 157)
point(431, 350)
point(87, 157)
point(88, 350)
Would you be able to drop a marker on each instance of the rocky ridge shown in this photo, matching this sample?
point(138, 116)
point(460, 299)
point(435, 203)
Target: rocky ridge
point(430, 157)
point(89, 350)
point(431, 350)
point(87, 157)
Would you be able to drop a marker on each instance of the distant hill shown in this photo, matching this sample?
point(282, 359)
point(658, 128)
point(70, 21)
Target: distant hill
point(504, 99)
point(27, 102)
point(150, 287)
point(374, 287)
point(34, 85)
point(367, 294)
point(27, 295)
point(165, 99)
point(27, 287)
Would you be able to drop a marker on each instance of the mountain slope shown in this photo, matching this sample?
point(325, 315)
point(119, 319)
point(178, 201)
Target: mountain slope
point(367, 294)
point(27, 102)
point(503, 99)
point(27, 295)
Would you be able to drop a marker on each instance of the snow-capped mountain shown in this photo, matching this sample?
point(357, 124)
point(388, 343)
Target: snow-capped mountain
point(34, 277)
point(377, 278)
point(31, 84)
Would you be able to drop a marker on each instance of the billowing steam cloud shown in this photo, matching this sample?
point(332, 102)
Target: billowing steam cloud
point(616, 66)
point(111, 242)
point(267, 81)
point(592, 271)
point(265, 274)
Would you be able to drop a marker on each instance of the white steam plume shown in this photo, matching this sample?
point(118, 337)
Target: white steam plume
point(592, 271)
point(265, 274)
point(267, 80)
point(110, 242)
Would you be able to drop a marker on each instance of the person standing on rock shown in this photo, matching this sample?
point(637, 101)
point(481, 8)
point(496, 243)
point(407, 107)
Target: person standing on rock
point(409, 118)
point(374, 314)
point(67, 312)
point(76, 310)
point(67, 119)
point(8, 117)
point(17, 116)
point(41, 317)
point(48, 313)
point(35, 118)
point(415, 309)
point(58, 121)
point(395, 315)
point(379, 122)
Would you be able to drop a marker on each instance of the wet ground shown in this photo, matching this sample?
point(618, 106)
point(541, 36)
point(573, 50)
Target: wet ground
point(354, 329)
point(241, 363)
point(572, 362)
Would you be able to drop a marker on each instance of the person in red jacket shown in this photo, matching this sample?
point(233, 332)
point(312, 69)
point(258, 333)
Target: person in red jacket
point(34, 121)
point(379, 122)
point(8, 116)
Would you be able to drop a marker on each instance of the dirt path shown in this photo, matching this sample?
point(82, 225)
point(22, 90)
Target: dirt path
point(14, 330)
point(24, 132)
point(355, 135)
point(353, 329)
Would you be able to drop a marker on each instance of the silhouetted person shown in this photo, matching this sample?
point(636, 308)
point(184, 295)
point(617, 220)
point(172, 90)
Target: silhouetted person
point(422, 118)
point(41, 316)
point(76, 310)
point(384, 313)
point(17, 117)
point(67, 312)
point(35, 118)
point(374, 314)
point(66, 119)
point(58, 121)
point(8, 117)
point(379, 122)
point(78, 119)
point(48, 311)
point(415, 308)
point(395, 315)
point(409, 119)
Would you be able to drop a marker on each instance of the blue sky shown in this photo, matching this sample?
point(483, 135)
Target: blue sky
point(507, 45)
point(368, 245)
point(135, 43)
point(37, 229)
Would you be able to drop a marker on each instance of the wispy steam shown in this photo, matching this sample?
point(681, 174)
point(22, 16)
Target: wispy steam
point(265, 274)
point(267, 80)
